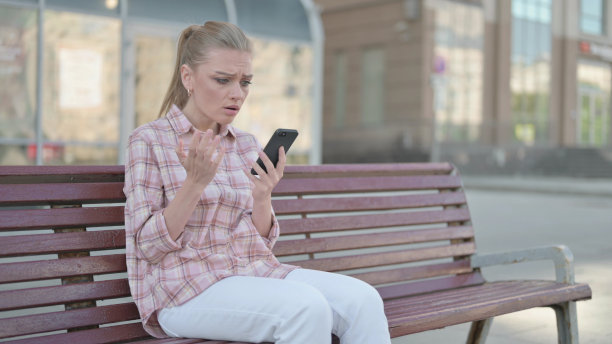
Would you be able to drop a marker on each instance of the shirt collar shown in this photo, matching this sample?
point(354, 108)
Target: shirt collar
point(181, 124)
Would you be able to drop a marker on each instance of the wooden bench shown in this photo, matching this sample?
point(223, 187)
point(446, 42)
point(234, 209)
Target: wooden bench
point(404, 228)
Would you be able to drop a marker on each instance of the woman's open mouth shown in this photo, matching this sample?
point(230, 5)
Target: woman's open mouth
point(232, 110)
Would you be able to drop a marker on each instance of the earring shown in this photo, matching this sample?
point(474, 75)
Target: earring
point(188, 93)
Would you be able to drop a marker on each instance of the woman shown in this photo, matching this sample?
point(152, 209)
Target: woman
point(200, 227)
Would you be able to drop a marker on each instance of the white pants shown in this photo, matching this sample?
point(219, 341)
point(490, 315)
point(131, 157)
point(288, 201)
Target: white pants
point(304, 308)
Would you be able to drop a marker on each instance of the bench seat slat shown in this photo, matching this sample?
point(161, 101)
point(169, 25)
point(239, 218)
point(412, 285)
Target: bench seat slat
point(458, 297)
point(347, 242)
point(61, 193)
point(475, 306)
point(387, 258)
point(47, 322)
point(340, 204)
point(415, 272)
point(309, 186)
point(61, 242)
point(340, 223)
point(46, 296)
point(111, 334)
point(57, 268)
point(27, 219)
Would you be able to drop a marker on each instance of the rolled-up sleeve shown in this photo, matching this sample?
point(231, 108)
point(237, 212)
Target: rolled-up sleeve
point(144, 219)
point(270, 240)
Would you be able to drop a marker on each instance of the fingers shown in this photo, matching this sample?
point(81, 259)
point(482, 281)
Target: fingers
point(204, 143)
point(282, 159)
point(193, 146)
point(260, 171)
point(249, 175)
point(180, 151)
point(267, 162)
point(206, 146)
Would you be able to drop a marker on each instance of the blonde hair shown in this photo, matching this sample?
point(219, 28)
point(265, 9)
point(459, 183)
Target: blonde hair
point(195, 42)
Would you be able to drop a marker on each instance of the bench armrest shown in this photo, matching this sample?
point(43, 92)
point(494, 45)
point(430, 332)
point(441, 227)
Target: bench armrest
point(560, 255)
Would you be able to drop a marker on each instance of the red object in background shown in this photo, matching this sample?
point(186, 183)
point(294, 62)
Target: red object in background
point(50, 151)
point(585, 47)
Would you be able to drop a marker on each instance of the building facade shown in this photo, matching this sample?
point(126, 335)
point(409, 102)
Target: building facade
point(506, 86)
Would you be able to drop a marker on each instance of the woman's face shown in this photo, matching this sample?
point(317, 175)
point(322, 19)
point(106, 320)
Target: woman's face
point(218, 87)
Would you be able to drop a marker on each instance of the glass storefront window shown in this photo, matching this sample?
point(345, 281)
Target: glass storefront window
point(18, 32)
point(78, 120)
point(457, 74)
point(592, 16)
point(594, 87)
point(373, 86)
point(155, 57)
point(81, 84)
point(281, 94)
point(530, 70)
point(340, 89)
point(13, 154)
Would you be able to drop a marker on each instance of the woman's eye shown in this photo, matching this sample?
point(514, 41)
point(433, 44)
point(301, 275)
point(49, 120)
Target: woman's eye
point(245, 83)
point(222, 81)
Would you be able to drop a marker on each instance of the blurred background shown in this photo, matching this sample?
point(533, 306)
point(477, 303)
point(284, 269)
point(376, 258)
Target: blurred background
point(496, 87)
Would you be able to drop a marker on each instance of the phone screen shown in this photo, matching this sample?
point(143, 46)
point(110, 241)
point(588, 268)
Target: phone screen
point(281, 137)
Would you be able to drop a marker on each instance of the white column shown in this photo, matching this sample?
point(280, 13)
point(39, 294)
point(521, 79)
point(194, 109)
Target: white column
point(317, 35)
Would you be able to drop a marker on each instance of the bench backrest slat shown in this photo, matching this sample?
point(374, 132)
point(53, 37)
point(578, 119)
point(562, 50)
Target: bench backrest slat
point(335, 170)
point(57, 295)
point(308, 186)
point(423, 287)
point(404, 228)
point(57, 268)
point(61, 174)
point(326, 244)
point(340, 223)
point(339, 204)
point(415, 272)
point(113, 334)
point(59, 193)
point(62, 218)
point(350, 262)
point(23, 245)
point(38, 323)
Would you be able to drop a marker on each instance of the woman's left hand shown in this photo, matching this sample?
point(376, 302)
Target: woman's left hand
point(266, 182)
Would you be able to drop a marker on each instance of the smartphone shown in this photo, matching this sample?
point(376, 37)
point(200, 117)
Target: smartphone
point(281, 137)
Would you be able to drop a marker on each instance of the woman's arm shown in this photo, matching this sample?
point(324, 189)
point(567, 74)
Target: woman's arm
point(201, 166)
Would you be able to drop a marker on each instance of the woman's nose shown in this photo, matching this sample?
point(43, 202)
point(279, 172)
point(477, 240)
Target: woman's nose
point(236, 92)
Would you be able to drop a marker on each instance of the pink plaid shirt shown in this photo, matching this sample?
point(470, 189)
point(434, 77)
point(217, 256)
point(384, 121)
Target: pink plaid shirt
point(220, 239)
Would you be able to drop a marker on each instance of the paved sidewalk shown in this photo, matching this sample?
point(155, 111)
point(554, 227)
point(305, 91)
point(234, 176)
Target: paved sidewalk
point(539, 184)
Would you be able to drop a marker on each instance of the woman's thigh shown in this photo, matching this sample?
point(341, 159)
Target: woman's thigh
point(357, 308)
point(252, 309)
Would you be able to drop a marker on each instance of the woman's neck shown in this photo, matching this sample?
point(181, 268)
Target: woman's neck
point(200, 122)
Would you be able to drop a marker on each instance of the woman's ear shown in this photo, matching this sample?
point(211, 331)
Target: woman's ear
point(187, 77)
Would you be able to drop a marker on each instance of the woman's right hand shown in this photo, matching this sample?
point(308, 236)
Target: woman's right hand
point(201, 163)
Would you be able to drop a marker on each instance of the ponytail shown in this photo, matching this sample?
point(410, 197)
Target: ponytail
point(176, 93)
point(193, 46)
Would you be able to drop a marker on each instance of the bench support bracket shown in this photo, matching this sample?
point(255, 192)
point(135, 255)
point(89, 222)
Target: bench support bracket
point(567, 323)
point(479, 331)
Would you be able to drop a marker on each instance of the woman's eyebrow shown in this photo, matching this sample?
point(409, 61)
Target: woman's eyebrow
point(233, 75)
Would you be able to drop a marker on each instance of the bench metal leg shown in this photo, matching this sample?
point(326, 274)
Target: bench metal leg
point(479, 331)
point(567, 322)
